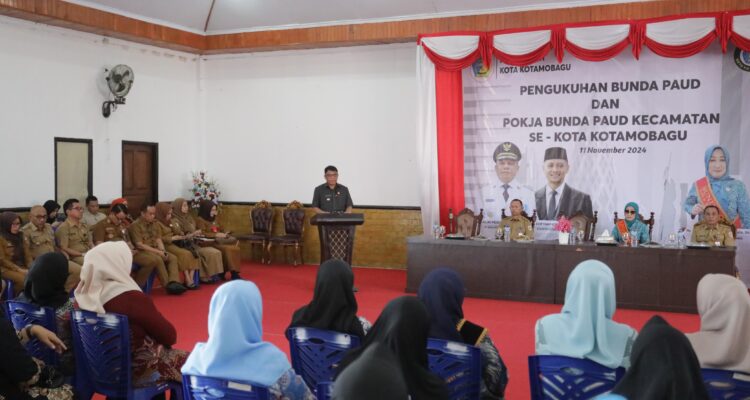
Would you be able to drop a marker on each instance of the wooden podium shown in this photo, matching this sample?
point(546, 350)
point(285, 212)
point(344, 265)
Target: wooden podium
point(337, 235)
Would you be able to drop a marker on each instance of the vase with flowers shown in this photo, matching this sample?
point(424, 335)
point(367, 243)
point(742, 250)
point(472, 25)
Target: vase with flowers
point(203, 189)
point(563, 228)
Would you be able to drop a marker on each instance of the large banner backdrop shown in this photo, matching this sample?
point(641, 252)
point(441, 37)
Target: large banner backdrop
point(633, 130)
point(652, 111)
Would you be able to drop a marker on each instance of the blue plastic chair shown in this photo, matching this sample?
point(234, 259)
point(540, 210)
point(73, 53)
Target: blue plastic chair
point(205, 388)
point(459, 364)
point(324, 390)
point(726, 385)
point(7, 294)
point(102, 349)
point(149, 282)
point(22, 314)
point(559, 377)
point(315, 353)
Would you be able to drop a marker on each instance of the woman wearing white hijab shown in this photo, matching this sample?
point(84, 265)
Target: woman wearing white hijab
point(106, 287)
point(584, 328)
point(235, 349)
point(724, 339)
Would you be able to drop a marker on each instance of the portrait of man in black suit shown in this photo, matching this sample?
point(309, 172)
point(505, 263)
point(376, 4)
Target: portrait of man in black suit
point(557, 198)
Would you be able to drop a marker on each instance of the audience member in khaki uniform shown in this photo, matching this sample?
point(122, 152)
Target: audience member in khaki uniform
point(187, 260)
point(184, 224)
point(10, 230)
point(146, 236)
point(91, 215)
point(73, 235)
point(114, 229)
point(520, 226)
point(39, 239)
point(711, 231)
point(230, 252)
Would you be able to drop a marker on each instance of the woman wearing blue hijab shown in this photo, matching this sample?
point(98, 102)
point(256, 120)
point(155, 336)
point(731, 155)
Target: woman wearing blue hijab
point(631, 224)
point(235, 349)
point(442, 292)
point(719, 189)
point(584, 328)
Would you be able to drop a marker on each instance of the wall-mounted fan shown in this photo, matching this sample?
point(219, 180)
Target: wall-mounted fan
point(119, 81)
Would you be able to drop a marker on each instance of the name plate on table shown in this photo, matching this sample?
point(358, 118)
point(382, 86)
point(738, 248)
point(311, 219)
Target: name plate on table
point(545, 230)
point(742, 258)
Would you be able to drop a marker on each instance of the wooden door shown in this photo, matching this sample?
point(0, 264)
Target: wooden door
point(140, 175)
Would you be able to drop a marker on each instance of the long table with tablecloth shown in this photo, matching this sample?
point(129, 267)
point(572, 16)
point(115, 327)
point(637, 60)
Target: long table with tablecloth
point(646, 278)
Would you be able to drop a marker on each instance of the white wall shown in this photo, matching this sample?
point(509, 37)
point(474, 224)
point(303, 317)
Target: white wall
point(264, 124)
point(49, 80)
point(275, 120)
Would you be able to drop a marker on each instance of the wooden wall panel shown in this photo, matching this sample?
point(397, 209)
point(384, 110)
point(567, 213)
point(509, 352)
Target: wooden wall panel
point(73, 16)
point(59, 13)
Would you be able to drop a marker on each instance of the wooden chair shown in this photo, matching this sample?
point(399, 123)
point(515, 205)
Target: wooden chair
point(649, 222)
point(583, 223)
point(294, 228)
point(532, 218)
point(261, 219)
point(469, 224)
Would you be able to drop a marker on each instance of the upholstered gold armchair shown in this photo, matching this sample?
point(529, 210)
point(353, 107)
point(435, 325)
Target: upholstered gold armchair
point(294, 227)
point(261, 219)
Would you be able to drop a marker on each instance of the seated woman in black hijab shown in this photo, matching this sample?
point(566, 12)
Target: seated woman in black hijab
point(23, 377)
point(442, 291)
point(374, 375)
point(333, 306)
point(663, 366)
point(45, 287)
point(403, 327)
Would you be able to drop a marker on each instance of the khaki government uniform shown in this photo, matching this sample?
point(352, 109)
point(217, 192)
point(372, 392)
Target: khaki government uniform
point(8, 269)
point(148, 233)
point(41, 241)
point(210, 258)
point(76, 237)
point(230, 251)
point(185, 259)
point(106, 231)
point(520, 228)
point(702, 233)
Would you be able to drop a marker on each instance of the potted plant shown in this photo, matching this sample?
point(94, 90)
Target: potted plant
point(563, 227)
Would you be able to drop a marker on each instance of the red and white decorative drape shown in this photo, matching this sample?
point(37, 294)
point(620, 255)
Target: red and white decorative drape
point(442, 57)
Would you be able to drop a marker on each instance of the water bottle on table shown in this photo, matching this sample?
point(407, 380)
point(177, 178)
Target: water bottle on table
point(506, 234)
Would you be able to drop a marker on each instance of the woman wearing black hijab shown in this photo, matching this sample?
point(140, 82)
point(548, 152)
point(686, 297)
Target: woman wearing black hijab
point(333, 306)
point(10, 229)
point(375, 375)
point(403, 327)
point(53, 209)
point(663, 366)
point(45, 287)
point(442, 292)
point(230, 252)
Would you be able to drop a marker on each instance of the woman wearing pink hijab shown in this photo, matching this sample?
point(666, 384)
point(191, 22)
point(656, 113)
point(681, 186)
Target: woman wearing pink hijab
point(724, 339)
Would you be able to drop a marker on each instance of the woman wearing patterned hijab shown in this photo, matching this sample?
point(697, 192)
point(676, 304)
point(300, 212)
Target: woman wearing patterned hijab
point(584, 328)
point(723, 341)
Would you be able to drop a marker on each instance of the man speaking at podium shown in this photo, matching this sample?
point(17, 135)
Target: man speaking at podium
point(331, 197)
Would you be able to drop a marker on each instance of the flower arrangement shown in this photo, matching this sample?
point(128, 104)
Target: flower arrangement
point(203, 189)
point(563, 225)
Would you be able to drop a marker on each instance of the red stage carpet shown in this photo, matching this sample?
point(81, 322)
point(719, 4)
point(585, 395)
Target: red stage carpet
point(285, 288)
